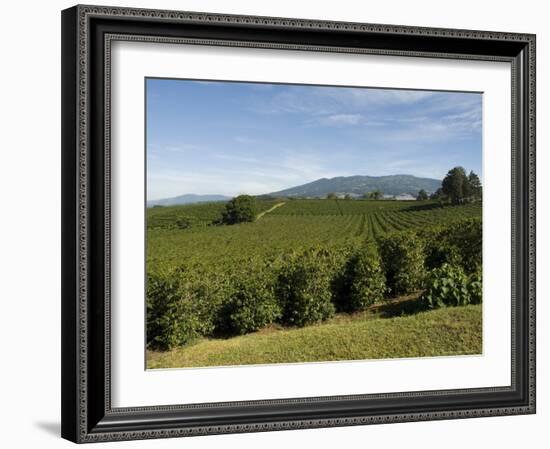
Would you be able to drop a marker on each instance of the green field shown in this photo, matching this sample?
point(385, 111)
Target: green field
point(296, 224)
point(201, 266)
point(450, 331)
point(204, 214)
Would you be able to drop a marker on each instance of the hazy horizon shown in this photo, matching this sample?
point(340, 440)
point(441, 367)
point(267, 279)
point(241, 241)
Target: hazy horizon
point(228, 138)
point(284, 188)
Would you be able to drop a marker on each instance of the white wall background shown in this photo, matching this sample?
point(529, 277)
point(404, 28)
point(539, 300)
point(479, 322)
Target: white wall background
point(30, 222)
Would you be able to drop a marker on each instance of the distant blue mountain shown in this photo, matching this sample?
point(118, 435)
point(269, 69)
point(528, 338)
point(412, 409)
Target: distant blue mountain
point(353, 185)
point(358, 185)
point(189, 198)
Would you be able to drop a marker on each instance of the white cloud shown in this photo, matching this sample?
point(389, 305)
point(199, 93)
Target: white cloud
point(468, 119)
point(342, 119)
point(323, 100)
point(249, 175)
point(366, 98)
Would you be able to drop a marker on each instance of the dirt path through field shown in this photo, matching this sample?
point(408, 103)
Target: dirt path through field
point(260, 215)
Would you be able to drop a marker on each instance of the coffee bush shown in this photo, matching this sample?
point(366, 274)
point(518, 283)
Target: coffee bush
point(304, 287)
point(251, 304)
point(439, 251)
point(173, 313)
point(402, 256)
point(458, 243)
point(362, 282)
point(466, 235)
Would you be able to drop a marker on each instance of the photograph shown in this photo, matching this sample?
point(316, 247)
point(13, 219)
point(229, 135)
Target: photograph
point(333, 216)
point(290, 223)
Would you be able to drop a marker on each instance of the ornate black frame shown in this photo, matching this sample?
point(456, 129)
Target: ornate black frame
point(87, 32)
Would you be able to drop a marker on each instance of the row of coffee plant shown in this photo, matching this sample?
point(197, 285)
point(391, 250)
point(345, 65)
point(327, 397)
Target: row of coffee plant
point(298, 288)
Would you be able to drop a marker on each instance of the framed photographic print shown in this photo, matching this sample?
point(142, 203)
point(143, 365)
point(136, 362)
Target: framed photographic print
point(275, 223)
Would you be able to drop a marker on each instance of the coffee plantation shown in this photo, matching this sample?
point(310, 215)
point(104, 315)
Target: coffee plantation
point(302, 262)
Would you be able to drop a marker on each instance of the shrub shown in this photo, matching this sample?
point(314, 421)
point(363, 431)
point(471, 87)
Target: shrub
point(186, 222)
point(183, 223)
point(303, 287)
point(447, 285)
point(251, 305)
point(439, 251)
point(239, 210)
point(163, 310)
point(182, 305)
point(362, 282)
point(459, 243)
point(476, 287)
point(466, 236)
point(208, 294)
point(172, 316)
point(402, 256)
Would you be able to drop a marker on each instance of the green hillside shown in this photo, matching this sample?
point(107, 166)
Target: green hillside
point(390, 185)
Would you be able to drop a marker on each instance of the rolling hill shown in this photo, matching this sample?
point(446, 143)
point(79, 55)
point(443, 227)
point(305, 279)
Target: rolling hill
point(354, 185)
point(357, 185)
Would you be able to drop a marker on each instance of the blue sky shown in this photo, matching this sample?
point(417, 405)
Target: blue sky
point(230, 138)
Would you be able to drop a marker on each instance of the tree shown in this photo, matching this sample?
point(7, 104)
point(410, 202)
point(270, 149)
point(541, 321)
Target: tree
point(332, 196)
point(347, 196)
point(474, 184)
point(377, 195)
point(455, 185)
point(240, 209)
point(437, 195)
point(422, 195)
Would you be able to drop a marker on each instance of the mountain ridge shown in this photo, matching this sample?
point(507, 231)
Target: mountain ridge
point(359, 185)
point(355, 185)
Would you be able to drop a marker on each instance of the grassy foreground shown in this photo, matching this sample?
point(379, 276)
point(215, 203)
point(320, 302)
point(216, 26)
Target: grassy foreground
point(442, 332)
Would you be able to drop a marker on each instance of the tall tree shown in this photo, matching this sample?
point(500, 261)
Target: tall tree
point(240, 209)
point(332, 196)
point(438, 195)
point(422, 195)
point(474, 185)
point(455, 185)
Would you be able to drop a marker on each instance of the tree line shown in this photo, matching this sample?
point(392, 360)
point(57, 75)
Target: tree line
point(458, 188)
